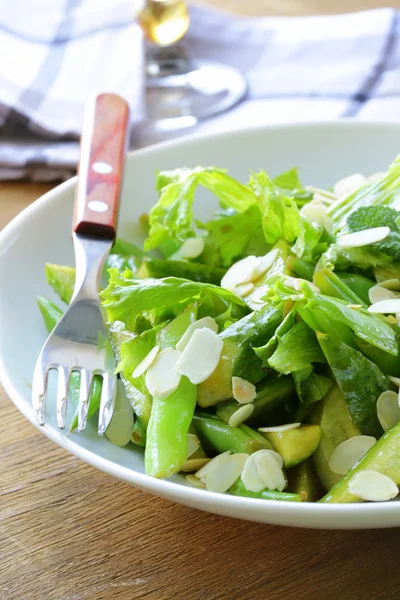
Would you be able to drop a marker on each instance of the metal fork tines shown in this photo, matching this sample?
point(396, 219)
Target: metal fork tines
point(79, 343)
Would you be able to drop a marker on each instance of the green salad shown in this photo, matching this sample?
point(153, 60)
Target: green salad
point(258, 352)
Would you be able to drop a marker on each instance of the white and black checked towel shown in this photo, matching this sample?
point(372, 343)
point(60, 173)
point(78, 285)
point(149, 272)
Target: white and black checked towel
point(54, 53)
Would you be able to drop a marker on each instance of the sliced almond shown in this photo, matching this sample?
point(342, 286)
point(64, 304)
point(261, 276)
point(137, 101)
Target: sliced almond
point(224, 474)
point(203, 471)
point(201, 355)
point(378, 293)
point(395, 380)
point(192, 247)
point(242, 390)
point(292, 283)
point(385, 306)
point(192, 479)
point(315, 212)
point(279, 428)
point(194, 464)
point(262, 471)
point(240, 415)
point(373, 486)
point(193, 444)
point(349, 184)
point(363, 238)
point(162, 379)
point(207, 322)
point(388, 409)
point(240, 272)
point(348, 453)
point(243, 289)
point(146, 362)
point(265, 263)
point(391, 284)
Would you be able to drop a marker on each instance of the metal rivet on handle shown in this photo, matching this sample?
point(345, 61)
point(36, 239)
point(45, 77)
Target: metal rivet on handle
point(97, 206)
point(102, 167)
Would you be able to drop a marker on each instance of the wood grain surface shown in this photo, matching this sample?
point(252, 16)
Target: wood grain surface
point(69, 532)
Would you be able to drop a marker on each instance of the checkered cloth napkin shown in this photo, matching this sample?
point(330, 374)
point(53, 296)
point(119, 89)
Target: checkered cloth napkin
point(58, 52)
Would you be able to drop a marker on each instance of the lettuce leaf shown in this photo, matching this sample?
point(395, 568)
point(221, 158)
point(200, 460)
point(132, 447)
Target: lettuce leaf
point(372, 328)
point(172, 218)
point(359, 379)
point(232, 236)
point(297, 350)
point(290, 185)
point(127, 297)
point(280, 215)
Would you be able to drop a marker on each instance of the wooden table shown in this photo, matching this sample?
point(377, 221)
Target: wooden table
point(69, 532)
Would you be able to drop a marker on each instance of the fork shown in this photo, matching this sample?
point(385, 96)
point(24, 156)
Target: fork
point(79, 342)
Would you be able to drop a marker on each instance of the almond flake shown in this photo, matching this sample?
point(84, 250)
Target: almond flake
point(240, 272)
point(391, 284)
point(207, 322)
point(192, 247)
point(373, 486)
point(146, 362)
point(395, 380)
point(193, 444)
point(378, 293)
point(348, 453)
point(242, 390)
point(263, 471)
point(315, 212)
point(279, 428)
point(192, 479)
point(388, 409)
point(385, 306)
point(265, 263)
point(243, 289)
point(223, 474)
point(292, 283)
point(201, 355)
point(363, 238)
point(240, 415)
point(162, 378)
point(194, 464)
point(203, 471)
point(349, 184)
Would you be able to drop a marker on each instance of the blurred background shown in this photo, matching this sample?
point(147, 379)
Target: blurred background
point(186, 68)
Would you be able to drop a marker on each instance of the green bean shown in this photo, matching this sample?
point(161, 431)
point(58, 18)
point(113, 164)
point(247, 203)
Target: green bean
point(239, 489)
point(300, 267)
point(272, 393)
point(217, 436)
point(138, 433)
point(332, 285)
point(166, 436)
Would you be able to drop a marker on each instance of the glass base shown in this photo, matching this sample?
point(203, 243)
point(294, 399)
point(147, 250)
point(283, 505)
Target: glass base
point(180, 93)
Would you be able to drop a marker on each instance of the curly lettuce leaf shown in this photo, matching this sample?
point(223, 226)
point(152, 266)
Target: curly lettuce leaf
point(280, 215)
point(290, 185)
point(297, 350)
point(126, 297)
point(172, 218)
point(232, 236)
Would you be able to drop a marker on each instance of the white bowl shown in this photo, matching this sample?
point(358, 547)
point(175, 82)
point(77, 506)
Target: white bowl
point(324, 152)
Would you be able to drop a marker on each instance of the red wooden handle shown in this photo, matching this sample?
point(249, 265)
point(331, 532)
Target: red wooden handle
point(103, 148)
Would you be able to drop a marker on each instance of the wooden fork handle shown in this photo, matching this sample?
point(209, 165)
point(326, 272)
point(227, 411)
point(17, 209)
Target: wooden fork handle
point(100, 171)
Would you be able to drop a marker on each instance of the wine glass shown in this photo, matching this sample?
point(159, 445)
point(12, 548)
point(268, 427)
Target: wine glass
point(180, 90)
